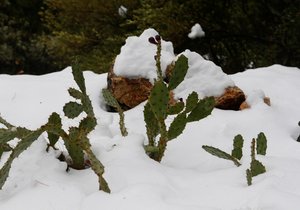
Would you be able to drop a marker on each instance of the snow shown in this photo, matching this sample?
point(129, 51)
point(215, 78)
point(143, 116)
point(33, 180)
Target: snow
point(137, 57)
point(122, 11)
point(196, 32)
point(203, 77)
point(188, 178)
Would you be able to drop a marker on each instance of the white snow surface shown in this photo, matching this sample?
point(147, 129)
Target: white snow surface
point(188, 178)
point(203, 77)
point(136, 58)
point(196, 32)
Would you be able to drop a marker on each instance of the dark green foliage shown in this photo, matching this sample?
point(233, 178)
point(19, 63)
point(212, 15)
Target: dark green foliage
point(237, 151)
point(53, 138)
point(261, 142)
point(111, 101)
point(221, 154)
point(179, 72)
point(75, 93)
point(152, 126)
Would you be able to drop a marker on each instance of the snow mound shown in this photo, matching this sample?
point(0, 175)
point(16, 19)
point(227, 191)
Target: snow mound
point(137, 57)
point(203, 77)
point(196, 32)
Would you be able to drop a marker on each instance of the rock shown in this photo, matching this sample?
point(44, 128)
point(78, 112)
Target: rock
point(232, 99)
point(128, 92)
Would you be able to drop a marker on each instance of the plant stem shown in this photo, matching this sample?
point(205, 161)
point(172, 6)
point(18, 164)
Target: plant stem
point(157, 58)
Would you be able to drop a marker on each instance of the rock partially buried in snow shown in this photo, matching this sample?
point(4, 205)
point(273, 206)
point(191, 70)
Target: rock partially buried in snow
point(132, 76)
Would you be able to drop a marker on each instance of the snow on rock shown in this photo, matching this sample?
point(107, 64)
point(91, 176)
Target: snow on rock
point(137, 57)
point(196, 32)
point(203, 77)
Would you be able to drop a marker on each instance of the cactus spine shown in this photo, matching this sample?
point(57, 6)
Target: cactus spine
point(157, 109)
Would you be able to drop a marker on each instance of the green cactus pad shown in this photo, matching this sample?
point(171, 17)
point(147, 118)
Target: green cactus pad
point(53, 138)
point(151, 123)
point(78, 77)
point(87, 124)
point(237, 151)
point(249, 177)
point(74, 150)
point(175, 109)
point(72, 109)
point(159, 98)
point(261, 144)
point(179, 72)
point(221, 154)
point(4, 148)
point(177, 126)
point(257, 168)
point(7, 134)
point(191, 102)
point(25, 142)
point(109, 98)
point(203, 109)
point(75, 93)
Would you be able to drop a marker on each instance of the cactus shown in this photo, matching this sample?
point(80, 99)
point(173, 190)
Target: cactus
point(175, 109)
point(221, 154)
point(249, 177)
point(4, 148)
point(158, 100)
point(27, 138)
point(72, 109)
point(177, 126)
point(237, 151)
point(111, 101)
point(256, 167)
point(78, 77)
point(203, 108)
point(298, 139)
point(179, 72)
point(157, 109)
point(261, 147)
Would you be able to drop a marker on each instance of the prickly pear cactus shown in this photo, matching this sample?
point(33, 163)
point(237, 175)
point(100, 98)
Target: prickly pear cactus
point(177, 126)
point(221, 154)
point(237, 151)
point(179, 72)
point(261, 141)
point(158, 100)
point(72, 109)
point(203, 108)
point(111, 101)
point(249, 177)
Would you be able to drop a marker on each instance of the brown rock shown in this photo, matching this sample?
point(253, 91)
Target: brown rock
point(128, 92)
point(232, 98)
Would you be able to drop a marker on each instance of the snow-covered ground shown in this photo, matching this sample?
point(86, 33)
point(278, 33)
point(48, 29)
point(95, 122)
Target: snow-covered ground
point(188, 178)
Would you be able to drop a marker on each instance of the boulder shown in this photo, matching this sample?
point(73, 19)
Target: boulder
point(232, 99)
point(128, 92)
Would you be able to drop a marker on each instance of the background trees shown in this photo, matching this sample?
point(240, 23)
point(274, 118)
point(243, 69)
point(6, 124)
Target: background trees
point(40, 36)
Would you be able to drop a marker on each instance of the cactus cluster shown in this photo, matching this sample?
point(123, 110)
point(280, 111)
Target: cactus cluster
point(157, 109)
point(112, 101)
point(259, 145)
point(76, 140)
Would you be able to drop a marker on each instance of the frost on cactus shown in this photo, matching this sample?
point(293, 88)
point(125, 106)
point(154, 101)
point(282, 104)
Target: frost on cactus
point(157, 109)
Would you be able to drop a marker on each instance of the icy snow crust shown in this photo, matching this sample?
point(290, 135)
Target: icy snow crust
point(188, 178)
point(136, 60)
